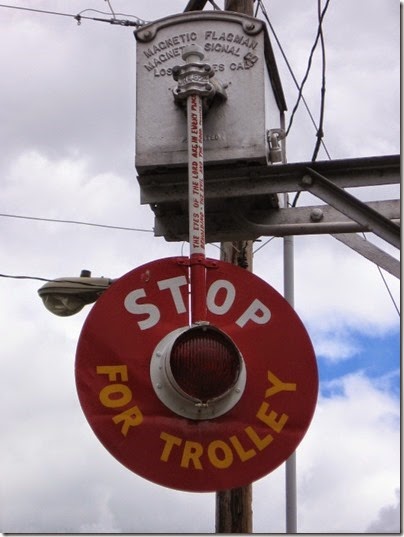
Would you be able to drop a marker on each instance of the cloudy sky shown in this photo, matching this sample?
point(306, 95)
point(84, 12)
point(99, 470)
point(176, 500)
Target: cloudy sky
point(67, 119)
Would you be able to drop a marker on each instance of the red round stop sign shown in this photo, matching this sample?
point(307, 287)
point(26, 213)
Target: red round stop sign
point(114, 382)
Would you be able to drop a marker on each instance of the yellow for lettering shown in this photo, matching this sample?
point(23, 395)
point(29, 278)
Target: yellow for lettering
point(124, 395)
point(227, 459)
point(170, 441)
point(239, 449)
point(113, 371)
point(260, 443)
point(192, 452)
point(271, 418)
point(278, 386)
point(131, 418)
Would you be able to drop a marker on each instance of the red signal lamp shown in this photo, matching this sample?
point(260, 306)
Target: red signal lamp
point(198, 372)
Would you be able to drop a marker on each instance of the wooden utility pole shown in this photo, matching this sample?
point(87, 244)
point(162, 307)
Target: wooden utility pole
point(195, 5)
point(241, 6)
point(234, 506)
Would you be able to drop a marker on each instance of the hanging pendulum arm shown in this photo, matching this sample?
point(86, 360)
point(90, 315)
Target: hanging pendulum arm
point(193, 86)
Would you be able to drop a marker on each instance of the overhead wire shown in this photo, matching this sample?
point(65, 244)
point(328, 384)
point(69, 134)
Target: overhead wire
point(385, 284)
point(79, 16)
point(309, 63)
point(75, 222)
point(110, 7)
point(263, 245)
point(320, 131)
point(24, 277)
point(37, 278)
point(139, 22)
point(265, 13)
point(142, 22)
point(319, 128)
point(388, 290)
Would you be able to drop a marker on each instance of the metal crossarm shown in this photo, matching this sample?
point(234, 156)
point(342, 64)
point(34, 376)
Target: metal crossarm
point(355, 209)
point(370, 251)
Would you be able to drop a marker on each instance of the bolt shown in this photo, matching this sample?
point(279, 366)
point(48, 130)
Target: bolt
point(147, 34)
point(316, 215)
point(237, 390)
point(250, 26)
point(159, 386)
point(307, 180)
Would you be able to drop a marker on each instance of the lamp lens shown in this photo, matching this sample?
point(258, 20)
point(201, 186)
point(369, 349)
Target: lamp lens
point(205, 363)
point(63, 306)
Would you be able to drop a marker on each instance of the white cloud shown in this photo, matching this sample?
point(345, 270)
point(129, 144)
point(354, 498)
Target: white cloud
point(335, 347)
point(105, 521)
point(388, 520)
point(58, 477)
point(347, 465)
point(351, 449)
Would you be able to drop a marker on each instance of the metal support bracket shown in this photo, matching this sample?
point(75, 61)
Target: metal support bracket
point(196, 78)
point(370, 251)
point(274, 136)
point(197, 260)
point(355, 209)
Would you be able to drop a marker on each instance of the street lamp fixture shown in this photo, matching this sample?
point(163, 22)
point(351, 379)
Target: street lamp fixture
point(67, 296)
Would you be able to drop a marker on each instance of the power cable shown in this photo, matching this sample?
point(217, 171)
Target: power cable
point(24, 277)
point(79, 16)
point(107, 13)
point(388, 290)
point(385, 283)
point(320, 132)
point(319, 129)
point(110, 7)
point(264, 12)
point(263, 245)
point(37, 278)
point(313, 48)
point(75, 222)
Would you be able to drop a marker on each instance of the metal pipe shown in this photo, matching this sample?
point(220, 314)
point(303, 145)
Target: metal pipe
point(196, 209)
point(289, 294)
point(290, 468)
point(281, 229)
point(193, 85)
